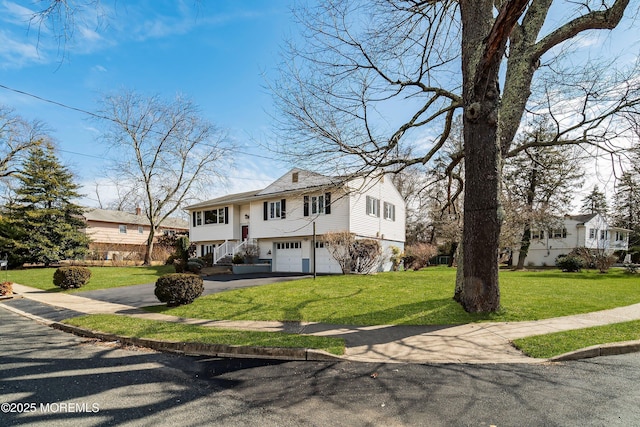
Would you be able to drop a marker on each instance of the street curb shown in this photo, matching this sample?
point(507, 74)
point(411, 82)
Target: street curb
point(610, 349)
point(202, 349)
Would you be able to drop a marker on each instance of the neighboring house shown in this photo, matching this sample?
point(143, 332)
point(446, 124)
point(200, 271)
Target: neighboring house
point(280, 219)
point(590, 231)
point(118, 234)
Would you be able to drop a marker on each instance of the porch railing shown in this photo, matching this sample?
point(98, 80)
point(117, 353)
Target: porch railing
point(229, 248)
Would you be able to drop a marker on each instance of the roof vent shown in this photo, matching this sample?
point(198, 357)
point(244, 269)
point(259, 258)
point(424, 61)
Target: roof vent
point(294, 177)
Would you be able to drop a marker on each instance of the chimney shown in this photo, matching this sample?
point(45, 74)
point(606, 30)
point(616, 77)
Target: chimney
point(138, 210)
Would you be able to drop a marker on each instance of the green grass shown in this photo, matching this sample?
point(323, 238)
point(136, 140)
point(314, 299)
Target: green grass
point(101, 277)
point(167, 331)
point(546, 346)
point(415, 298)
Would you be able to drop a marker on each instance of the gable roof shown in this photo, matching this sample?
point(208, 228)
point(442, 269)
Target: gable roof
point(122, 217)
point(583, 218)
point(286, 184)
point(303, 180)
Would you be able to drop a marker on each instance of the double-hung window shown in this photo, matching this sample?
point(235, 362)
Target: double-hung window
point(373, 206)
point(317, 205)
point(389, 211)
point(123, 229)
point(275, 210)
point(593, 233)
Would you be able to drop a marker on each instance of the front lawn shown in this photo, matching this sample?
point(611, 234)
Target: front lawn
point(415, 298)
point(167, 331)
point(549, 345)
point(101, 277)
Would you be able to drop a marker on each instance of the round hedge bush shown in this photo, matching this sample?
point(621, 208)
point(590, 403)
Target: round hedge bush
point(71, 277)
point(570, 263)
point(178, 288)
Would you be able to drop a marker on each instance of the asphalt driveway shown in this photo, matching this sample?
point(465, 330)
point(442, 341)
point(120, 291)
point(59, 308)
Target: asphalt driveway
point(142, 295)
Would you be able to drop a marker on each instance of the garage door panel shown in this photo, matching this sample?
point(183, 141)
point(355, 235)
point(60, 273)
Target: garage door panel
point(289, 257)
point(325, 262)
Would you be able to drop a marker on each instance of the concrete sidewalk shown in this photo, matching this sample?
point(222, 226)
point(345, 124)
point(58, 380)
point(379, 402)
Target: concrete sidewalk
point(470, 343)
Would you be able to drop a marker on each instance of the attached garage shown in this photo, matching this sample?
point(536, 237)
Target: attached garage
point(288, 256)
point(324, 261)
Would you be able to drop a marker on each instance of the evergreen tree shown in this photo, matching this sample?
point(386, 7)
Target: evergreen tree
point(595, 202)
point(627, 205)
point(44, 212)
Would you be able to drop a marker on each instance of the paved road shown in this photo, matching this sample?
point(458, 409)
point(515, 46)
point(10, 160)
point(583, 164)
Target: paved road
point(142, 388)
point(142, 295)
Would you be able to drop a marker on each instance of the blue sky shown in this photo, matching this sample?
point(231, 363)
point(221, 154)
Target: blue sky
point(220, 54)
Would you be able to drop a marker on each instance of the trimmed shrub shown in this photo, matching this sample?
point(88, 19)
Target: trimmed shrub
point(6, 288)
point(570, 263)
point(238, 259)
point(207, 259)
point(194, 265)
point(71, 277)
point(178, 288)
point(197, 261)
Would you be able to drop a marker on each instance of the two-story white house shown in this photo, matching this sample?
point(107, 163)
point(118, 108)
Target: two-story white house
point(590, 231)
point(281, 219)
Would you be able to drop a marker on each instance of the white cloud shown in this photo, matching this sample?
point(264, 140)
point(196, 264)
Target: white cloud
point(15, 53)
point(15, 13)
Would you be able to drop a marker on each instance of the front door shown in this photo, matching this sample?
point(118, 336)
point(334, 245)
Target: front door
point(245, 232)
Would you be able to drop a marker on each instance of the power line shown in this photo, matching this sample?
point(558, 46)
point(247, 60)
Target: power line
point(102, 117)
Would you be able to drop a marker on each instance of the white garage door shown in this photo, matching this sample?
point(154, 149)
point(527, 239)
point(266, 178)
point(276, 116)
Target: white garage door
point(289, 257)
point(324, 261)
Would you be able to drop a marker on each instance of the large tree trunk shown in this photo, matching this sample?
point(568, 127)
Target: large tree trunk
point(149, 252)
point(525, 242)
point(483, 45)
point(482, 215)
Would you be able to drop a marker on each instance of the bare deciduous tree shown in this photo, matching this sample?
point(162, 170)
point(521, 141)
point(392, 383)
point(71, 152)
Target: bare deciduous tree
point(539, 185)
point(17, 137)
point(164, 150)
point(374, 77)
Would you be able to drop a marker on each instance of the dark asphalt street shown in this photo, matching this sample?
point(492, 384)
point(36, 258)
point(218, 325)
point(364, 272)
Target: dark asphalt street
point(54, 372)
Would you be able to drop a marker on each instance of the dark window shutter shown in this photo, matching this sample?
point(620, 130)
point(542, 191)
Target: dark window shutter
point(306, 205)
point(377, 208)
point(283, 208)
point(226, 214)
point(194, 219)
point(266, 210)
point(327, 203)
